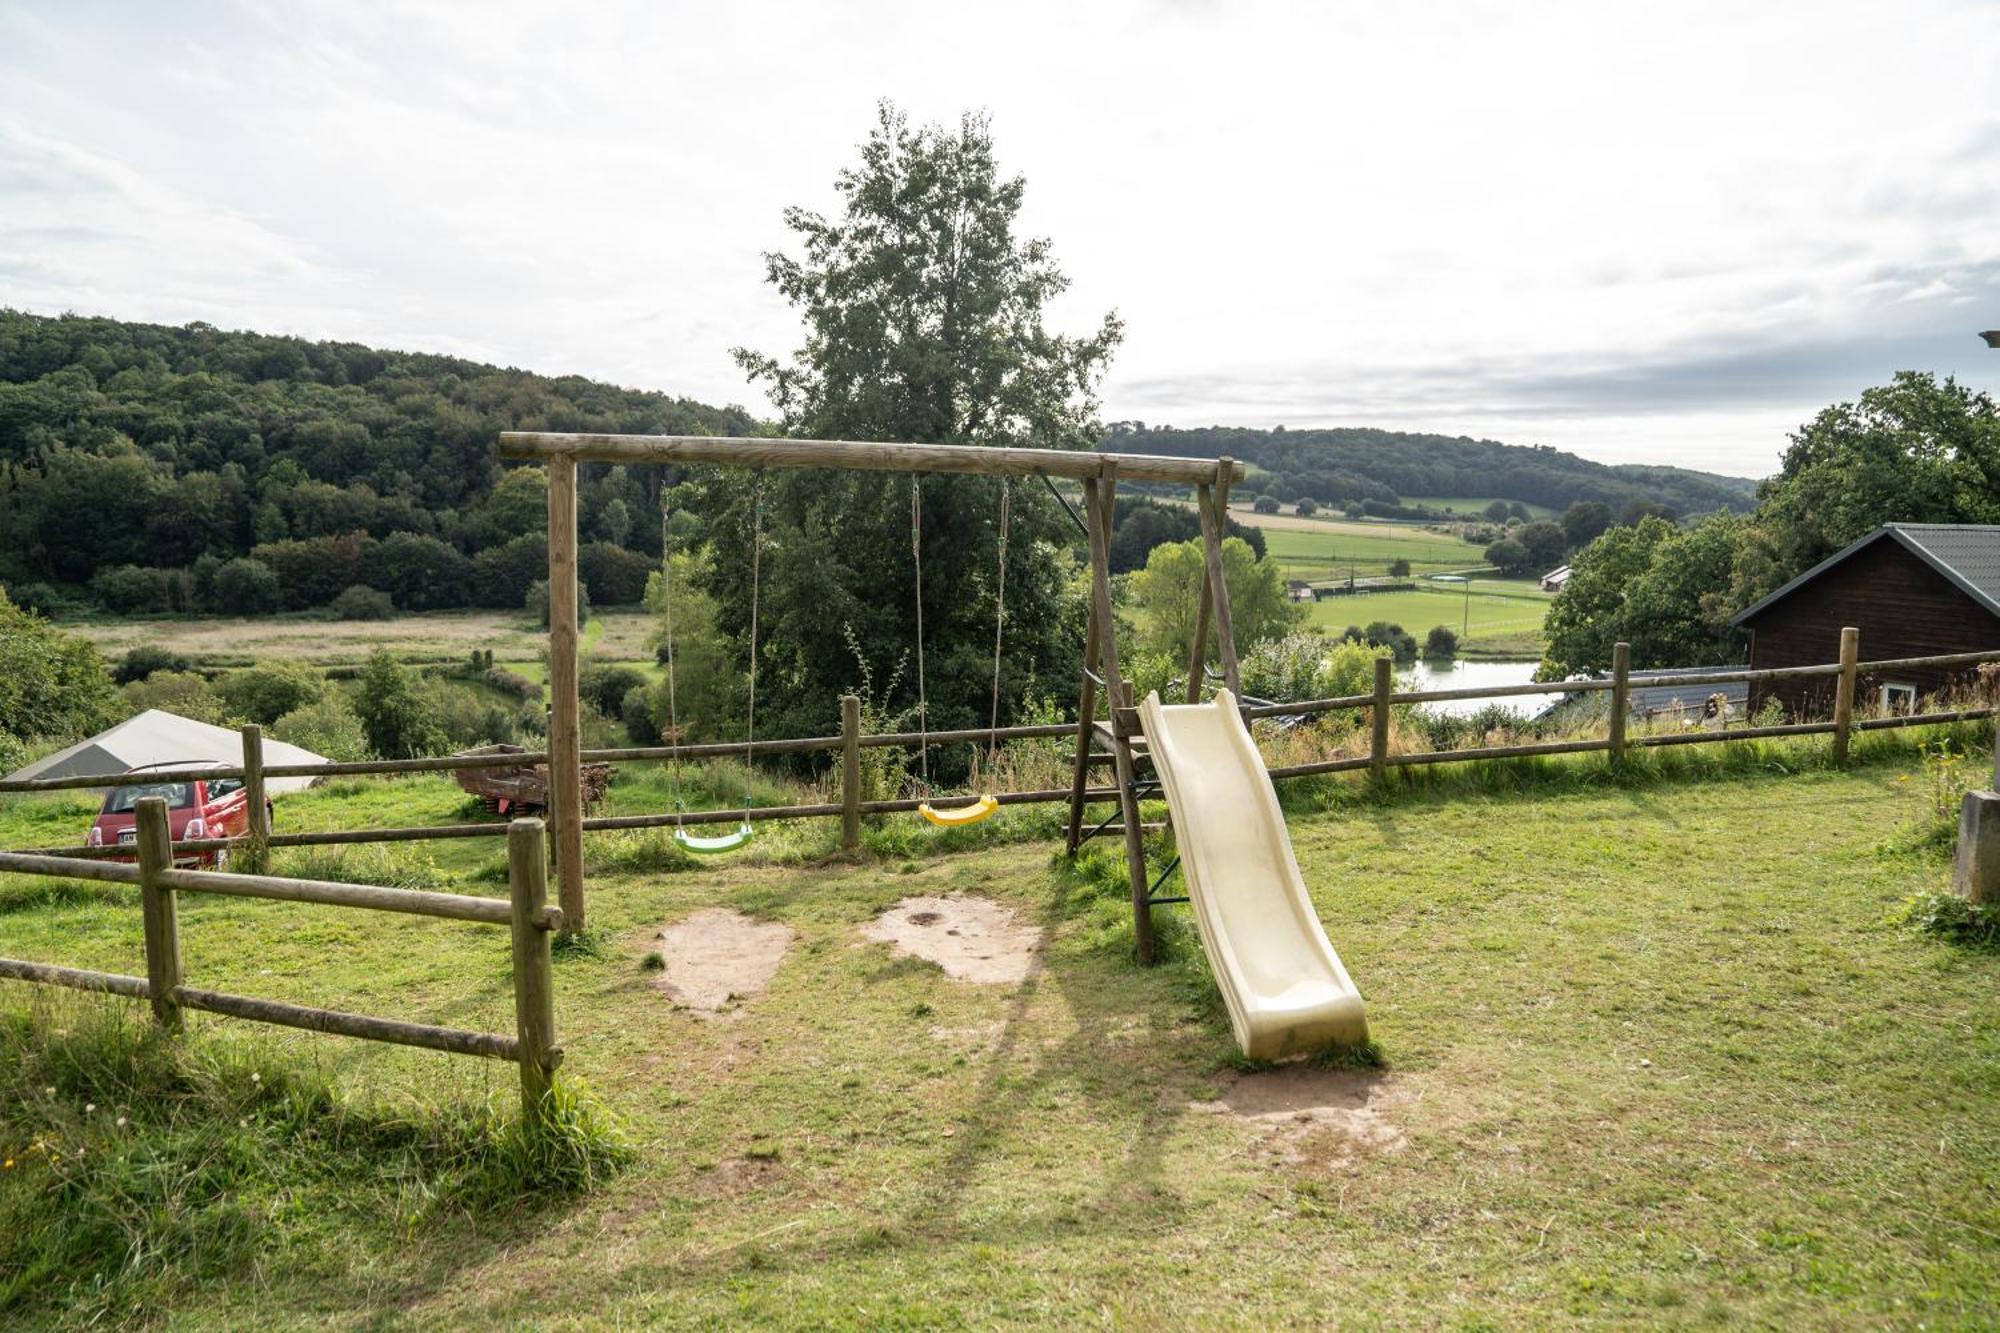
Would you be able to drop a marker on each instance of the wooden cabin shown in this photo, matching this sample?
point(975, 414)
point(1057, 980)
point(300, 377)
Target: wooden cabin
point(1912, 589)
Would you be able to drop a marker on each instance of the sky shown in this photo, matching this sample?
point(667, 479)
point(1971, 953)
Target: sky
point(1660, 233)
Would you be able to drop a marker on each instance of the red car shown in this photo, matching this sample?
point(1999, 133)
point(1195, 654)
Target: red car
point(202, 808)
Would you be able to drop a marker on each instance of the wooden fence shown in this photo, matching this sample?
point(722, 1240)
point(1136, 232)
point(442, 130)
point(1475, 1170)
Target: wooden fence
point(527, 912)
point(850, 741)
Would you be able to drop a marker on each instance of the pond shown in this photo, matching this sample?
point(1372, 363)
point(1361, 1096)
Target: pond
point(1461, 675)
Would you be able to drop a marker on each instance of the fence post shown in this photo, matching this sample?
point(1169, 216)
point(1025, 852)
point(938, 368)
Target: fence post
point(258, 852)
point(850, 773)
point(160, 920)
point(1843, 692)
point(1378, 720)
point(534, 963)
point(1621, 697)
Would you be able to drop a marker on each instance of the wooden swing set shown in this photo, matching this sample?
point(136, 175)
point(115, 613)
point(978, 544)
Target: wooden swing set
point(1099, 473)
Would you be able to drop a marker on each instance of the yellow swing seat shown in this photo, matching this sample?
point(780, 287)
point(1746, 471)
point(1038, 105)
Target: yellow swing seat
point(959, 816)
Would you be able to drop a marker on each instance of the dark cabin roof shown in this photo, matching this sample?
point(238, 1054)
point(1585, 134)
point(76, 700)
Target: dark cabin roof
point(1966, 554)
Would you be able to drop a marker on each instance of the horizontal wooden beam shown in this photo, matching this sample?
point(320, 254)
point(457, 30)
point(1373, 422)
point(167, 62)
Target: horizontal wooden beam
point(740, 451)
point(458, 1041)
point(415, 902)
point(75, 978)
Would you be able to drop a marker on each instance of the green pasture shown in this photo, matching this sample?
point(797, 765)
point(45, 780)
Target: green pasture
point(1327, 553)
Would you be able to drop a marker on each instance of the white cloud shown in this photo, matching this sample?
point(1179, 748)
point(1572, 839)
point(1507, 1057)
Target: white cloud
point(1660, 231)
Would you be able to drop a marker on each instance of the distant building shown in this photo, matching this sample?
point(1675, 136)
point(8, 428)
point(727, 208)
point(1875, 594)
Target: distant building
point(1553, 580)
point(1912, 589)
point(1301, 591)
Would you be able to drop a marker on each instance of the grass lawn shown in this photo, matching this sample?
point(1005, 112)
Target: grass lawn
point(1505, 615)
point(1650, 1053)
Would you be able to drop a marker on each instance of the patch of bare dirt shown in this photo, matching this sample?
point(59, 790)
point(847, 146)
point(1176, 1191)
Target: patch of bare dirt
point(717, 958)
point(971, 938)
point(735, 1176)
point(1313, 1116)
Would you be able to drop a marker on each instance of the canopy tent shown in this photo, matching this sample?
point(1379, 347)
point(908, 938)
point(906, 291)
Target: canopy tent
point(156, 737)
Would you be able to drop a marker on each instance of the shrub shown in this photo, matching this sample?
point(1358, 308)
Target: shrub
point(616, 576)
point(247, 587)
point(1307, 666)
point(180, 692)
point(1266, 504)
point(361, 602)
point(52, 685)
point(143, 660)
point(311, 572)
point(637, 711)
point(266, 692)
point(44, 599)
point(508, 682)
point(606, 686)
point(133, 590)
point(393, 713)
point(537, 602)
point(1441, 643)
point(502, 575)
point(1306, 508)
point(1402, 645)
point(1399, 569)
point(421, 573)
point(1509, 556)
point(465, 716)
point(328, 726)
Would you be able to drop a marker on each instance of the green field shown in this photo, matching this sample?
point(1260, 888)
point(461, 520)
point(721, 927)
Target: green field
point(1505, 615)
point(1327, 552)
point(1647, 1056)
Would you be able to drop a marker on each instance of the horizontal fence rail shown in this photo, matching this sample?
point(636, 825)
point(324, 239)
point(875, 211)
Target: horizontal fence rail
point(526, 912)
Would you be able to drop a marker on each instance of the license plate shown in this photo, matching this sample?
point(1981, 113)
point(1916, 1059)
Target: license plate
point(126, 837)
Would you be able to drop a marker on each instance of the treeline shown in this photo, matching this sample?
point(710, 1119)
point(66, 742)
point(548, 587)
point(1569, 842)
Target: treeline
point(1371, 471)
point(1912, 451)
point(150, 468)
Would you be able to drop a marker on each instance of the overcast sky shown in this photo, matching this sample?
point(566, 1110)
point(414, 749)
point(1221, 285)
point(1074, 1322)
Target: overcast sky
point(1656, 233)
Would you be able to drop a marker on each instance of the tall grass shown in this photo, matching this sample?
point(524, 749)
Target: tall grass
point(137, 1166)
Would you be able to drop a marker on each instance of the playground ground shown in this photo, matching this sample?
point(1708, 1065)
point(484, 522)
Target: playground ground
point(1651, 1053)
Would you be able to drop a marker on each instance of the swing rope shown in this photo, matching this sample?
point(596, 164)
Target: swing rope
point(667, 617)
point(999, 625)
point(756, 592)
point(917, 558)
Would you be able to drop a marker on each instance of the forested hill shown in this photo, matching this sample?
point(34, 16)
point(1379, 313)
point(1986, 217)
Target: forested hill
point(132, 454)
point(1355, 465)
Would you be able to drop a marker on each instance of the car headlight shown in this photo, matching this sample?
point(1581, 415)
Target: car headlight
point(196, 828)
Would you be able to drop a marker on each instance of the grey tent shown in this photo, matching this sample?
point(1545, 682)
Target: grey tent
point(156, 737)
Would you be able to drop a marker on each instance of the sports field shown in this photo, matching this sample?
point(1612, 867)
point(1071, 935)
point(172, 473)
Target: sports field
point(1497, 618)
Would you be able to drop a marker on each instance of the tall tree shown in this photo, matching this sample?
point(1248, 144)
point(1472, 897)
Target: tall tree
point(924, 315)
point(1911, 451)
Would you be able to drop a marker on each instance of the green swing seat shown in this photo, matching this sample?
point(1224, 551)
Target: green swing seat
point(720, 843)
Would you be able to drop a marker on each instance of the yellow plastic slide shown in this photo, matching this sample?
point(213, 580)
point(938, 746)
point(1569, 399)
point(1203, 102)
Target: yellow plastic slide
point(1286, 989)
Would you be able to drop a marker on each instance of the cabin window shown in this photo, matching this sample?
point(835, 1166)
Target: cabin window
point(1899, 699)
